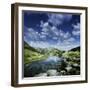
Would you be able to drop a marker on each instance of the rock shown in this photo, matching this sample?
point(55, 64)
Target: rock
point(41, 75)
point(63, 72)
point(75, 65)
point(52, 72)
point(68, 68)
point(64, 59)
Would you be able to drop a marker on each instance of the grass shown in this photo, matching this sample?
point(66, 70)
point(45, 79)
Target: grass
point(31, 56)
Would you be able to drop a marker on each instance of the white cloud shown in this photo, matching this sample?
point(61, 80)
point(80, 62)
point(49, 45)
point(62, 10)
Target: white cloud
point(44, 24)
point(67, 35)
point(61, 33)
point(71, 39)
point(45, 27)
point(44, 33)
point(48, 30)
point(63, 40)
point(77, 33)
point(77, 26)
point(76, 29)
point(39, 39)
point(53, 32)
point(64, 35)
point(43, 36)
point(55, 38)
point(65, 45)
point(40, 44)
point(31, 34)
point(34, 35)
point(57, 19)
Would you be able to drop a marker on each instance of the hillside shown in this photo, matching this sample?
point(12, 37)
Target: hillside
point(76, 49)
point(56, 52)
point(26, 46)
point(36, 54)
point(44, 60)
point(31, 54)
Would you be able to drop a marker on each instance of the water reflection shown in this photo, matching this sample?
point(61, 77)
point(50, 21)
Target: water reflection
point(43, 67)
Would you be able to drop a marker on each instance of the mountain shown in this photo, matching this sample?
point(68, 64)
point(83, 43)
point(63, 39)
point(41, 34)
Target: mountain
point(50, 51)
point(75, 49)
point(35, 54)
point(27, 46)
point(55, 52)
point(42, 50)
point(31, 54)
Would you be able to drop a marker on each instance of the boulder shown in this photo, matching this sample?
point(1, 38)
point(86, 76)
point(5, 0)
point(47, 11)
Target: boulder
point(52, 72)
point(41, 75)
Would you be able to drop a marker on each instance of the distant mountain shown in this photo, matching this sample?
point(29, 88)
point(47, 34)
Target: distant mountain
point(55, 52)
point(42, 50)
point(50, 51)
point(35, 54)
point(75, 49)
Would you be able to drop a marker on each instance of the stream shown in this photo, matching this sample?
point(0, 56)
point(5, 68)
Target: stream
point(46, 67)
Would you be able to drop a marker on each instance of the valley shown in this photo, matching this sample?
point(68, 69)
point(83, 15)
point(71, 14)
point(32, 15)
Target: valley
point(50, 61)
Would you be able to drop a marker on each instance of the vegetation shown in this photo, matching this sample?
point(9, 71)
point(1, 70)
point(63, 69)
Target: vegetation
point(72, 62)
point(31, 54)
point(71, 55)
point(76, 49)
point(69, 63)
point(55, 52)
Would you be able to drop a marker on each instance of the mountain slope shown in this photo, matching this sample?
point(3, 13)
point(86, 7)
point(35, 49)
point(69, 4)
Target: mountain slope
point(76, 49)
point(26, 46)
point(55, 52)
point(31, 54)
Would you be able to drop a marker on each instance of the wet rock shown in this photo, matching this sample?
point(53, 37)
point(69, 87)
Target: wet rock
point(68, 68)
point(75, 65)
point(41, 75)
point(63, 72)
point(52, 72)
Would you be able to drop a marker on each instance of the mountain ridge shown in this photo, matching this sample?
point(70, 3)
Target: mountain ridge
point(75, 49)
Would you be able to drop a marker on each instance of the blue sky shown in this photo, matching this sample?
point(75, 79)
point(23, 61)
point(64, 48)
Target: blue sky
point(51, 30)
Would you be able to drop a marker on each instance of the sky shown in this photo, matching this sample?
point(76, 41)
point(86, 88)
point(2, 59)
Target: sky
point(51, 30)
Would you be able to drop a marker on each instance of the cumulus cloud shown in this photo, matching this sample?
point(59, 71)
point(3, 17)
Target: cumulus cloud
point(48, 30)
point(71, 39)
point(43, 36)
point(32, 34)
point(53, 31)
point(65, 45)
point(76, 29)
point(63, 39)
point(57, 19)
point(55, 38)
point(77, 26)
point(65, 35)
point(40, 44)
point(77, 33)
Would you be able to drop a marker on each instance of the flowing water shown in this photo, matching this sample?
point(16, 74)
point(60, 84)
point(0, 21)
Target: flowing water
point(41, 67)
